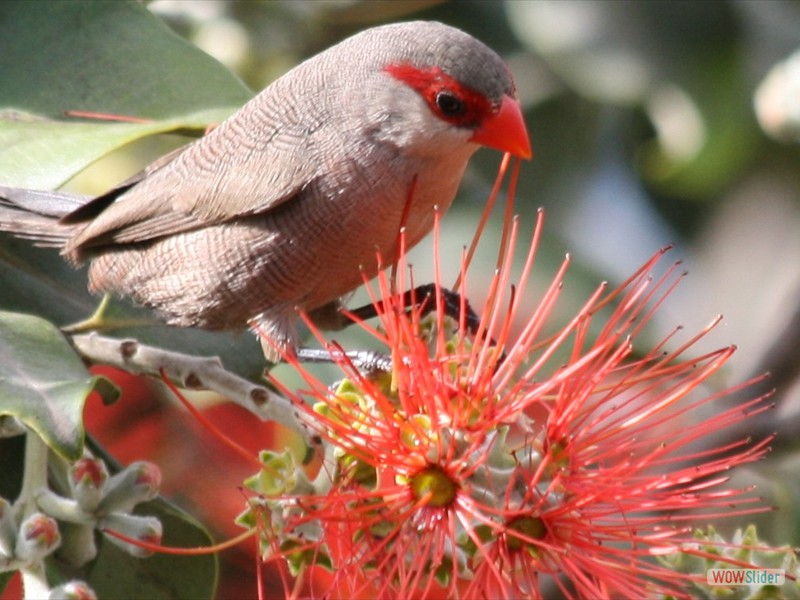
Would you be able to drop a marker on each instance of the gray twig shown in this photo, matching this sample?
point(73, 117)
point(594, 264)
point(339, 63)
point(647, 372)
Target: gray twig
point(192, 372)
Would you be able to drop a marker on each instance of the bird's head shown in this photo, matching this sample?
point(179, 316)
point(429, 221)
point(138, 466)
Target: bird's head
point(446, 86)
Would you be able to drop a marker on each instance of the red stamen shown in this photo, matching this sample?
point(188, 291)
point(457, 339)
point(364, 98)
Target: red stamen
point(85, 114)
point(205, 422)
point(199, 551)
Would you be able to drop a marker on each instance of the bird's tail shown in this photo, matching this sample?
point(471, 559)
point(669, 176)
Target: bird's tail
point(35, 215)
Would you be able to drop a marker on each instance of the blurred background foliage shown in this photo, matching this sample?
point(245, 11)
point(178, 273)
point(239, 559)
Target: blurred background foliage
point(653, 123)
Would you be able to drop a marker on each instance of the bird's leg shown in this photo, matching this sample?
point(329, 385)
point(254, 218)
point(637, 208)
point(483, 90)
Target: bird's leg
point(423, 297)
point(368, 361)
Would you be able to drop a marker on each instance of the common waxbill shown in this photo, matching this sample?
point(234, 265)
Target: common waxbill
point(288, 202)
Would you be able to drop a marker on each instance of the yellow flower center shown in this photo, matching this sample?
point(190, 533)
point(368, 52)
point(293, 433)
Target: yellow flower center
point(523, 529)
point(434, 486)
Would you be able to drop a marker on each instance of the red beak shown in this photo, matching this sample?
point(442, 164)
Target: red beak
point(505, 130)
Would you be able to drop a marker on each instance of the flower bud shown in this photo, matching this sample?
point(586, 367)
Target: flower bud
point(87, 481)
point(38, 537)
point(144, 529)
point(137, 483)
point(72, 590)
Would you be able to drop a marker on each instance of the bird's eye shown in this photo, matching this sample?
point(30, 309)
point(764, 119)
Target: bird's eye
point(450, 104)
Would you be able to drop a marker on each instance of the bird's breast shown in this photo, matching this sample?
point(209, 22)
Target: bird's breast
point(356, 223)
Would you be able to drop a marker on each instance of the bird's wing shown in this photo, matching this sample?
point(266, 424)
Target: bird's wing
point(94, 206)
point(238, 170)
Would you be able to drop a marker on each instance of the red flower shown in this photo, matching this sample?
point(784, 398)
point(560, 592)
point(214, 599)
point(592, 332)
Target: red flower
point(496, 463)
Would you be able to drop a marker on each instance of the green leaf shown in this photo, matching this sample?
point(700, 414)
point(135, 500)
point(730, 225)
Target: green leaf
point(103, 57)
point(43, 154)
point(43, 382)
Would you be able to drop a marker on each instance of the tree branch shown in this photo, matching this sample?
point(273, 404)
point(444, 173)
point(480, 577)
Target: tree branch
point(192, 372)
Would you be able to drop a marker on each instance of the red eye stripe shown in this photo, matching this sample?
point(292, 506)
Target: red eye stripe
point(431, 81)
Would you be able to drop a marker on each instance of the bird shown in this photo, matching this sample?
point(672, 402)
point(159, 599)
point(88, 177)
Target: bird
point(286, 205)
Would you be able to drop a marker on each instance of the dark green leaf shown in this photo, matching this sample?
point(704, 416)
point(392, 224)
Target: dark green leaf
point(43, 382)
point(109, 56)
